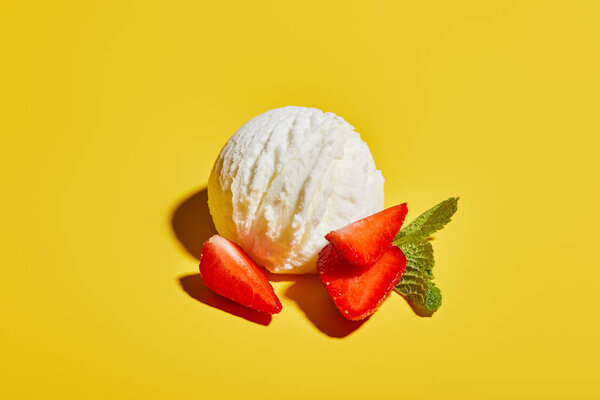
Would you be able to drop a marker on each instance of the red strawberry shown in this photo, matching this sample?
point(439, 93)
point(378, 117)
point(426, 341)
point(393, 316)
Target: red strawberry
point(358, 291)
point(363, 241)
point(229, 271)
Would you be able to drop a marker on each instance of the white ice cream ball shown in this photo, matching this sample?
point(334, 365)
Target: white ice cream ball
point(287, 178)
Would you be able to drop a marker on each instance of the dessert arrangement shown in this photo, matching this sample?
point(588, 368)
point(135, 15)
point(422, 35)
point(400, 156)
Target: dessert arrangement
point(296, 191)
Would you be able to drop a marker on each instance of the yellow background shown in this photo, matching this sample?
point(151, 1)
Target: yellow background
point(112, 113)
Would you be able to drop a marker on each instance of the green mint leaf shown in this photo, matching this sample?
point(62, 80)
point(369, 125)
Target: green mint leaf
point(416, 285)
point(422, 295)
point(420, 256)
point(434, 301)
point(427, 223)
point(434, 298)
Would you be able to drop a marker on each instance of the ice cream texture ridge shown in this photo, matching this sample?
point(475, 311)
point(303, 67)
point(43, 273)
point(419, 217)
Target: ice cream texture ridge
point(288, 177)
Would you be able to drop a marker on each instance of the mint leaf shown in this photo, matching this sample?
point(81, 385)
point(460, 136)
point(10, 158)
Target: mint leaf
point(416, 285)
point(421, 293)
point(434, 298)
point(433, 302)
point(427, 223)
point(420, 256)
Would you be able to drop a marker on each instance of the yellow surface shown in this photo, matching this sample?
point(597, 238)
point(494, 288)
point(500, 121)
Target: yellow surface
point(112, 113)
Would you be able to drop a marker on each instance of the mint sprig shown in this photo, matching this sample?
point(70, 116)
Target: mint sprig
point(416, 285)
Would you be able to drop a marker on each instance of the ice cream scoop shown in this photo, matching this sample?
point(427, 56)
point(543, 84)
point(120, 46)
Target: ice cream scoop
point(288, 177)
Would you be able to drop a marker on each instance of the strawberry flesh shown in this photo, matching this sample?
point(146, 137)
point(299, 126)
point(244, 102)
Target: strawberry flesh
point(358, 291)
point(363, 241)
point(228, 270)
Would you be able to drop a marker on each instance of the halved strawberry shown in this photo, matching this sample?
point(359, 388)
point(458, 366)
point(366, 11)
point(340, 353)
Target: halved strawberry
point(363, 241)
point(358, 291)
point(229, 271)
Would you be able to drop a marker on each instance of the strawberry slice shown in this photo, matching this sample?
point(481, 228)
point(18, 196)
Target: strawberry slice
point(358, 291)
point(229, 271)
point(362, 242)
